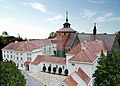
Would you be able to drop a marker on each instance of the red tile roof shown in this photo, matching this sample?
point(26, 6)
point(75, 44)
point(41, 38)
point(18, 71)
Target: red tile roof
point(70, 40)
point(94, 46)
point(66, 30)
point(75, 49)
point(41, 58)
point(27, 45)
point(84, 56)
point(69, 81)
point(83, 76)
point(27, 62)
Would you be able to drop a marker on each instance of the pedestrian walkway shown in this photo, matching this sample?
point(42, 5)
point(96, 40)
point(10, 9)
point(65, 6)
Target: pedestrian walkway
point(30, 81)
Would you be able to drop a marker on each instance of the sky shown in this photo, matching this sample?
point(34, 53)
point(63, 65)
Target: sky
point(35, 19)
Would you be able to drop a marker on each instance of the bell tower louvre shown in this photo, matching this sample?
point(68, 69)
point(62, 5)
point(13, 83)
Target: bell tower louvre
point(62, 37)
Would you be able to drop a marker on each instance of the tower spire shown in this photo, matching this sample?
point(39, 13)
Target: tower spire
point(66, 16)
point(66, 24)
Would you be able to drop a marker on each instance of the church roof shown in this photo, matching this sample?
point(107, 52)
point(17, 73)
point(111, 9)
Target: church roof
point(108, 39)
point(66, 30)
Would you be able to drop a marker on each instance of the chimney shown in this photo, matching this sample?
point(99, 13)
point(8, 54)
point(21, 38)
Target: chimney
point(16, 42)
point(96, 40)
point(94, 29)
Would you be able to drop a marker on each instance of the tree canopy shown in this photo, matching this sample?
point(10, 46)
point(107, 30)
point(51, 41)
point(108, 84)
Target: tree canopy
point(52, 35)
point(5, 39)
point(10, 75)
point(108, 70)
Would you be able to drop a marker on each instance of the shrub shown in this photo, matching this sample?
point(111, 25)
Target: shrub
point(66, 72)
point(44, 68)
point(60, 70)
point(54, 70)
point(49, 69)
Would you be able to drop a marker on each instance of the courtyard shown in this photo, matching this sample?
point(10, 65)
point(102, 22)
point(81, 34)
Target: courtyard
point(48, 79)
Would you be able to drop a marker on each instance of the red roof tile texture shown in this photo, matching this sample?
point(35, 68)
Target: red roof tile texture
point(41, 58)
point(27, 45)
point(83, 76)
point(94, 46)
point(84, 56)
point(69, 81)
point(66, 30)
point(75, 49)
point(27, 62)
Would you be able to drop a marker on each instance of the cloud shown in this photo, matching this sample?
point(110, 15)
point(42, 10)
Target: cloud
point(55, 18)
point(88, 14)
point(107, 18)
point(98, 1)
point(37, 6)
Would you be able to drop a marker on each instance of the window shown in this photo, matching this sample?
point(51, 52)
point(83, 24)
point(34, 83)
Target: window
point(11, 56)
point(7, 56)
point(44, 48)
point(28, 54)
point(27, 58)
point(21, 58)
point(7, 51)
point(11, 52)
point(64, 33)
point(73, 64)
point(4, 55)
point(21, 53)
point(17, 53)
point(30, 58)
point(49, 48)
point(17, 58)
point(21, 65)
point(63, 67)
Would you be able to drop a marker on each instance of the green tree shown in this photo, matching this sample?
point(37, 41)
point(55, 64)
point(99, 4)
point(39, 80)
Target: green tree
point(52, 35)
point(10, 75)
point(44, 68)
point(60, 70)
point(108, 70)
point(4, 33)
point(49, 69)
point(66, 72)
point(54, 70)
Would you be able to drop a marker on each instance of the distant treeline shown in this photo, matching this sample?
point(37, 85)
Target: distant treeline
point(5, 39)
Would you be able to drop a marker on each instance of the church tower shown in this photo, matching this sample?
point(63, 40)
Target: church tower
point(62, 36)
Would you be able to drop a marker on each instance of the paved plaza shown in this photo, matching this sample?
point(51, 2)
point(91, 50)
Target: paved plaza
point(47, 78)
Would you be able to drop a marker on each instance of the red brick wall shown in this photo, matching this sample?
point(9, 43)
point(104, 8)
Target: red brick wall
point(61, 37)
